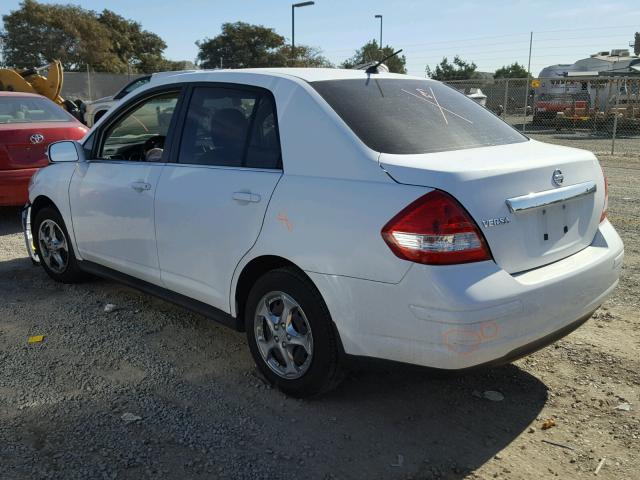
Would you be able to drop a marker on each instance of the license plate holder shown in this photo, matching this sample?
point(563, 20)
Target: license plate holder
point(555, 222)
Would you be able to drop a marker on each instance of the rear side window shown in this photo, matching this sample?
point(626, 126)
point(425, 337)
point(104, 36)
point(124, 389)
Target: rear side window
point(264, 143)
point(403, 116)
point(231, 128)
point(31, 109)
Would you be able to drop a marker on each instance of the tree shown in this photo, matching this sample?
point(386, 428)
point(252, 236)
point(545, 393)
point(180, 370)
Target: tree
point(371, 52)
point(136, 48)
point(515, 70)
point(242, 45)
point(636, 44)
point(458, 70)
point(36, 34)
point(173, 65)
point(305, 56)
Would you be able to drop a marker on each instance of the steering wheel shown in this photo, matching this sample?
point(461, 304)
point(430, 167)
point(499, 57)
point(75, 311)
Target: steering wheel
point(153, 142)
point(152, 149)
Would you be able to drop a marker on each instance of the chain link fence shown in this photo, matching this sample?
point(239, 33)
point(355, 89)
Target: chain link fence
point(89, 86)
point(595, 113)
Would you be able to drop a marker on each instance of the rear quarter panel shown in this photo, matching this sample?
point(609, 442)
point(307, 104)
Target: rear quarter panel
point(332, 226)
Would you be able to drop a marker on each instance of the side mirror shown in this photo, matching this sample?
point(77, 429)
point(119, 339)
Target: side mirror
point(65, 151)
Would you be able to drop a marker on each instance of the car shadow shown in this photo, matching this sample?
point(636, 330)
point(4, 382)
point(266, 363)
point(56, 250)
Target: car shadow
point(15, 264)
point(434, 424)
point(10, 221)
point(195, 379)
point(390, 420)
point(383, 421)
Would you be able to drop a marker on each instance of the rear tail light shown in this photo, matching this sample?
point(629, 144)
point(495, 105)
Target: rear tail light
point(436, 230)
point(603, 216)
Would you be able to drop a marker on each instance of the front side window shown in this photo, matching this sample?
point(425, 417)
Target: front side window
point(405, 116)
point(140, 134)
point(231, 128)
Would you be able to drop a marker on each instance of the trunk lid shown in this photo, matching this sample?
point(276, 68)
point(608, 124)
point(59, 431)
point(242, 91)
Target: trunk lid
point(483, 179)
point(18, 151)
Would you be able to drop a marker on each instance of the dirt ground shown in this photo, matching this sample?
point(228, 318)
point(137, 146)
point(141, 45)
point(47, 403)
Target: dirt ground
point(151, 390)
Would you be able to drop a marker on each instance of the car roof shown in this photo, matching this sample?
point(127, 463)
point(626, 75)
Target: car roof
point(306, 74)
point(20, 94)
point(321, 74)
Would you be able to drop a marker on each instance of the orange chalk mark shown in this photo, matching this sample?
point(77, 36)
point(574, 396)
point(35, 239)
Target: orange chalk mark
point(282, 217)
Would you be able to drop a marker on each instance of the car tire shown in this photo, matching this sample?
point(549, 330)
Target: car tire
point(54, 248)
point(304, 359)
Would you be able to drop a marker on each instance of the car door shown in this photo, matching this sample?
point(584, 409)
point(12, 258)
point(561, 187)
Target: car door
point(112, 193)
point(211, 202)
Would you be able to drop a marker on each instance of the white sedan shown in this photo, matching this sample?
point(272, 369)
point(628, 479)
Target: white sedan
point(333, 214)
point(95, 109)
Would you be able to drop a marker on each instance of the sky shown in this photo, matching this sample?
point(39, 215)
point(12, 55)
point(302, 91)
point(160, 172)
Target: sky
point(490, 33)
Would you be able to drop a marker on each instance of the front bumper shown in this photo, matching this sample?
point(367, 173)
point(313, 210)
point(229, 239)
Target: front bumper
point(460, 316)
point(28, 234)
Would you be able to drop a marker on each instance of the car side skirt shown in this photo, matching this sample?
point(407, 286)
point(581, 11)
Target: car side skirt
point(162, 293)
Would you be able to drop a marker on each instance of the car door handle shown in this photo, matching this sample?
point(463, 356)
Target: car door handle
point(246, 197)
point(141, 186)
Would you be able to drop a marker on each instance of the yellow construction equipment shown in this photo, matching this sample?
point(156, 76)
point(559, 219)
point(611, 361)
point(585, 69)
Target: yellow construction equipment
point(31, 81)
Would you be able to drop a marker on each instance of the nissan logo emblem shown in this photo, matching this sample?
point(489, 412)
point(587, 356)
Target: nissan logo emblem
point(557, 177)
point(36, 138)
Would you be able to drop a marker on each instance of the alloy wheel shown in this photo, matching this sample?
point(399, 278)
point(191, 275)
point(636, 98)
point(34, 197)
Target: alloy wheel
point(283, 335)
point(53, 246)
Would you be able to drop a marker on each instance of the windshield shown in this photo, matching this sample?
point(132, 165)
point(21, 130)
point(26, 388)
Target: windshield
point(31, 109)
point(131, 87)
point(404, 116)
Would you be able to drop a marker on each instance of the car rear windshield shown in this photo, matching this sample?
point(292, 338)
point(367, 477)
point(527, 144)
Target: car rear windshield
point(30, 109)
point(404, 116)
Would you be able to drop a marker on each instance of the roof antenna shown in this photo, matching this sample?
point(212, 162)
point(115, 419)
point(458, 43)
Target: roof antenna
point(374, 68)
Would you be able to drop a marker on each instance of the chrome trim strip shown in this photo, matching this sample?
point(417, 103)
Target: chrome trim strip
point(549, 197)
point(26, 231)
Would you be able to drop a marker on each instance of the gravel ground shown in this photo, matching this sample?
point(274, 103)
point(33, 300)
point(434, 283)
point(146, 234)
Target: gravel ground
point(151, 390)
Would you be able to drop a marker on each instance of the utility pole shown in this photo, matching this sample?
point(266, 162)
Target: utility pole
point(89, 82)
point(526, 90)
point(380, 17)
point(293, 25)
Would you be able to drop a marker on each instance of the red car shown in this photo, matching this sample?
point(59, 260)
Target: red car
point(28, 124)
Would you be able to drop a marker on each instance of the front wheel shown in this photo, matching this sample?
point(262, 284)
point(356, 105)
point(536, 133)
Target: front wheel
point(54, 247)
point(291, 335)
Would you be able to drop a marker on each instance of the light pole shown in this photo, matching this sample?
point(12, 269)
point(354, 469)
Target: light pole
point(293, 25)
point(380, 17)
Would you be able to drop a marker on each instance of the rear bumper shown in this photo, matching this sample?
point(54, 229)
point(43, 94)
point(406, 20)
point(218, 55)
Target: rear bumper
point(14, 186)
point(461, 316)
